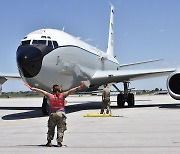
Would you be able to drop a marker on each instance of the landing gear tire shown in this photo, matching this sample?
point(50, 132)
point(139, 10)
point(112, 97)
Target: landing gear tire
point(120, 100)
point(130, 100)
point(45, 107)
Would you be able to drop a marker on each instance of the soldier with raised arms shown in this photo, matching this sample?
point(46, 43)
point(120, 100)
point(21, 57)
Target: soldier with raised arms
point(57, 115)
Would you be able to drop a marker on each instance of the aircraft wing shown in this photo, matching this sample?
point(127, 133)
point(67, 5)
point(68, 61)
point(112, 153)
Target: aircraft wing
point(110, 76)
point(5, 77)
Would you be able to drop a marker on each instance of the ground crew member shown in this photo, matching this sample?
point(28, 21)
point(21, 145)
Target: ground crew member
point(57, 115)
point(105, 100)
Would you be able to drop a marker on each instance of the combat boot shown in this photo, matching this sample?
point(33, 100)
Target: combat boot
point(49, 143)
point(59, 144)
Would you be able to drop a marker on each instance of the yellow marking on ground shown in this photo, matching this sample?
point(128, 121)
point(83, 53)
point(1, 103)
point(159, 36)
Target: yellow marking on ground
point(97, 115)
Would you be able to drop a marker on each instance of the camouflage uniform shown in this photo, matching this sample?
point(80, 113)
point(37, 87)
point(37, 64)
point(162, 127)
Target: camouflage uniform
point(56, 119)
point(105, 101)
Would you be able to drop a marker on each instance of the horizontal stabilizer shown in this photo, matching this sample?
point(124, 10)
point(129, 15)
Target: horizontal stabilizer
point(138, 63)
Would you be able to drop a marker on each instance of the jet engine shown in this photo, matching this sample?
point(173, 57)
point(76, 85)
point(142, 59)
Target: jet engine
point(173, 85)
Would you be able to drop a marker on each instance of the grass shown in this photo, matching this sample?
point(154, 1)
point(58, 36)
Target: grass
point(20, 94)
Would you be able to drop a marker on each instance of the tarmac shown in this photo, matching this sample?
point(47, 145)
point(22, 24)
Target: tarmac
point(152, 126)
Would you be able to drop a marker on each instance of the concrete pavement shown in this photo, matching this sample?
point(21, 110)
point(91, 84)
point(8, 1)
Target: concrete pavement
point(152, 126)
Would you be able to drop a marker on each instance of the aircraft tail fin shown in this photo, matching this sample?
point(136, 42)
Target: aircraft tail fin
point(110, 48)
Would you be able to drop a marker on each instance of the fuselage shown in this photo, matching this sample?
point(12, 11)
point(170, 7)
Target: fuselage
point(47, 56)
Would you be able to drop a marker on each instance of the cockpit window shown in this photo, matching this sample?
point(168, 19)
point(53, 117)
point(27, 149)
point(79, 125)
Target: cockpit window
point(36, 42)
point(27, 42)
point(55, 44)
point(42, 41)
point(50, 44)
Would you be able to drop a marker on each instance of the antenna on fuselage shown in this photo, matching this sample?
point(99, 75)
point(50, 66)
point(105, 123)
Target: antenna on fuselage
point(110, 48)
point(63, 28)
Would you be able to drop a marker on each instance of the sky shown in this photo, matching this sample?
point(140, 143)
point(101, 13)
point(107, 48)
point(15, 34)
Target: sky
point(143, 29)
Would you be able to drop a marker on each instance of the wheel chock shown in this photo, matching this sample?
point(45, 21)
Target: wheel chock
point(97, 115)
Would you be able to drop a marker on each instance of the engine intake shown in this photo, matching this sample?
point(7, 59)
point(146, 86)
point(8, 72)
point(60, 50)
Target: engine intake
point(173, 85)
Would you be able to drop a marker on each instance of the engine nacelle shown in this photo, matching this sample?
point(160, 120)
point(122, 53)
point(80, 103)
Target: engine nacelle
point(173, 85)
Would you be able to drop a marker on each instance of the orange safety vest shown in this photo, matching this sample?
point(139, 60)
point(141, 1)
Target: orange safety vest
point(56, 103)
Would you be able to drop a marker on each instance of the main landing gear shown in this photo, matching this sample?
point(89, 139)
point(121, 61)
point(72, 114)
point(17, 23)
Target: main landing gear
point(45, 106)
point(126, 96)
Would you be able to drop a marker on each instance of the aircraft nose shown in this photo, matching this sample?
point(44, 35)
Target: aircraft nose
point(29, 60)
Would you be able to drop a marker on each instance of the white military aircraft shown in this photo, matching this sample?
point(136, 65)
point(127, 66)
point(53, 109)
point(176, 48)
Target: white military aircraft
point(48, 56)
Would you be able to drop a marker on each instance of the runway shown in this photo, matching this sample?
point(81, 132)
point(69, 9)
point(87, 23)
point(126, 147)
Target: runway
point(152, 126)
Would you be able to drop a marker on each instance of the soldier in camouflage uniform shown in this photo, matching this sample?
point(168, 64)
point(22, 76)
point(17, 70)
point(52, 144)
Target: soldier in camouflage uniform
point(105, 100)
point(57, 115)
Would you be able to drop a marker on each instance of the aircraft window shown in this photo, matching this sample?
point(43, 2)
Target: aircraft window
point(27, 42)
point(50, 44)
point(39, 42)
point(35, 42)
point(43, 36)
point(55, 44)
point(48, 37)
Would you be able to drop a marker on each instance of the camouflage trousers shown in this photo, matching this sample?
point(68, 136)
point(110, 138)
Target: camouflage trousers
point(56, 119)
point(106, 105)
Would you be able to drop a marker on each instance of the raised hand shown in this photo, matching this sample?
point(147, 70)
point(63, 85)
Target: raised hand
point(27, 85)
point(82, 84)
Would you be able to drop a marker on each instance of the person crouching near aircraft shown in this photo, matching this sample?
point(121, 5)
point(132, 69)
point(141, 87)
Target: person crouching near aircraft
point(105, 100)
point(57, 115)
